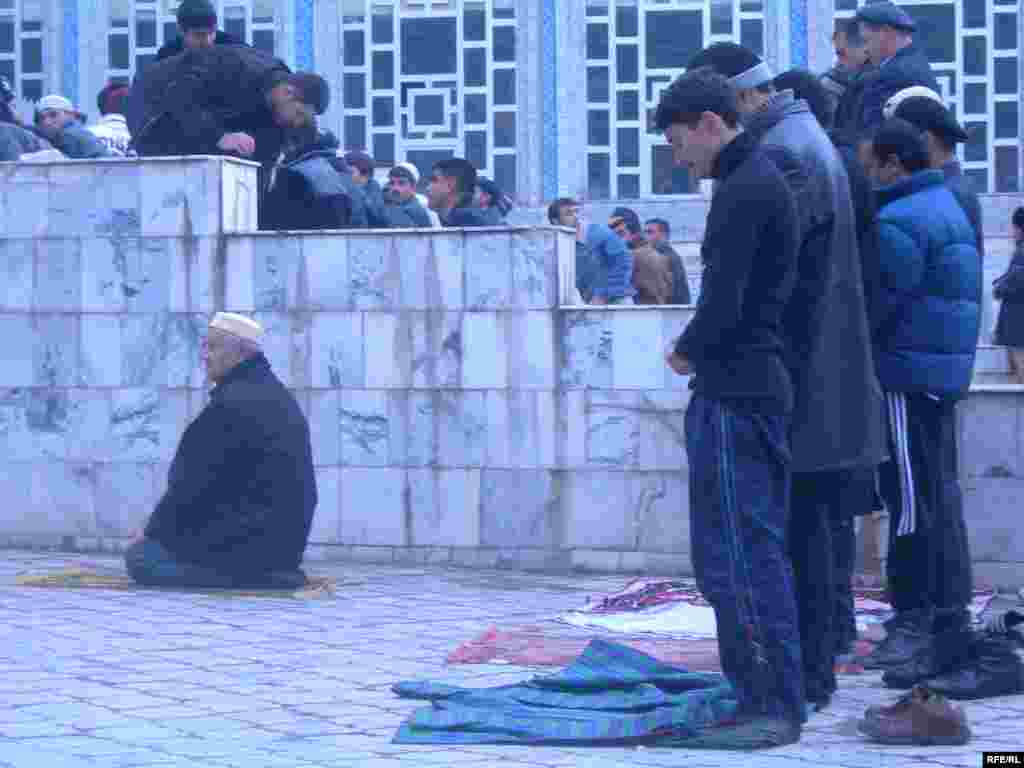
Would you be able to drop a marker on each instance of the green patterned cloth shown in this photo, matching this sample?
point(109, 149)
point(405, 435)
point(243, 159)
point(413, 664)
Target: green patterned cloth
point(611, 694)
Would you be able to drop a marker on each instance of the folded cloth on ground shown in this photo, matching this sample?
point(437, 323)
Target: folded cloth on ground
point(85, 578)
point(681, 619)
point(611, 694)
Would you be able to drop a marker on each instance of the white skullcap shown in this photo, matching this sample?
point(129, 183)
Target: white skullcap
point(238, 325)
point(908, 93)
point(53, 101)
point(410, 169)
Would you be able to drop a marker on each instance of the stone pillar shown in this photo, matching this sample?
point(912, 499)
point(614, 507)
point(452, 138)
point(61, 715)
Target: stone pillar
point(530, 99)
point(327, 59)
point(571, 99)
point(91, 51)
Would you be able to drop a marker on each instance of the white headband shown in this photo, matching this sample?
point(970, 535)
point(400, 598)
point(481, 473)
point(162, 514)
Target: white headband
point(759, 74)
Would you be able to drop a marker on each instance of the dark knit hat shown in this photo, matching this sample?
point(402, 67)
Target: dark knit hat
point(196, 14)
point(744, 68)
point(930, 115)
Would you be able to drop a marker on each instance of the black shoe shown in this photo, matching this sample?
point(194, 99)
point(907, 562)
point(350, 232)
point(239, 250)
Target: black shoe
point(907, 635)
point(286, 579)
point(944, 653)
point(994, 670)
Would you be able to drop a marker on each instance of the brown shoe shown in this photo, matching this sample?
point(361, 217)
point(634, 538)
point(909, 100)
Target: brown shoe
point(920, 717)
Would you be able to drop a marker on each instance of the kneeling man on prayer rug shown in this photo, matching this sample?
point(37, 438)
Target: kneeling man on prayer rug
point(241, 489)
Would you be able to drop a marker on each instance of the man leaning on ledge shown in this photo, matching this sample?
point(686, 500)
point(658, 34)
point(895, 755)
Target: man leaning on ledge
point(241, 489)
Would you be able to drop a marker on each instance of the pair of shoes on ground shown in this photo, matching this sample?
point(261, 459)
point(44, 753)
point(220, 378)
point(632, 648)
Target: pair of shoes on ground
point(920, 717)
point(745, 733)
point(987, 666)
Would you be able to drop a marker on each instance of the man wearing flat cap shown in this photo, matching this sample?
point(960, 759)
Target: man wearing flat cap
point(241, 489)
point(197, 25)
point(888, 31)
point(221, 100)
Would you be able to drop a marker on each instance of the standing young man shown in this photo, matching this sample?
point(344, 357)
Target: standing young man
point(737, 423)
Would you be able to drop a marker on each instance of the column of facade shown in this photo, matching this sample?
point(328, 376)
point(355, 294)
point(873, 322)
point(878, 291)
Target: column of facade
point(820, 56)
point(327, 45)
point(570, 98)
point(531, 64)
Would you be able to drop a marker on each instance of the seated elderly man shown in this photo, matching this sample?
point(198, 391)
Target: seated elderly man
point(241, 489)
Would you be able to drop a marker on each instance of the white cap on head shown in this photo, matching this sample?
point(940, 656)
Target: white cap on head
point(410, 169)
point(238, 325)
point(908, 93)
point(53, 101)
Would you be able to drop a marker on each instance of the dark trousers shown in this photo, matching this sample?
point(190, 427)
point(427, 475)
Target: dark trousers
point(929, 564)
point(149, 562)
point(739, 487)
point(844, 559)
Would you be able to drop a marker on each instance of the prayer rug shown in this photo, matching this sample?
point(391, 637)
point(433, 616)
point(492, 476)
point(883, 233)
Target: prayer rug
point(98, 578)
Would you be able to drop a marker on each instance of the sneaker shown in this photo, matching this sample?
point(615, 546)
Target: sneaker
point(920, 717)
point(943, 653)
point(906, 635)
point(747, 733)
point(994, 670)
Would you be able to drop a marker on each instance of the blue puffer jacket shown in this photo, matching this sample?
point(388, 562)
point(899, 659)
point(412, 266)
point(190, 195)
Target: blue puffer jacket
point(930, 289)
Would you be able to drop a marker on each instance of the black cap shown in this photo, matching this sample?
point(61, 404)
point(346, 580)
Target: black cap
point(313, 89)
point(926, 114)
point(886, 14)
point(628, 217)
point(196, 14)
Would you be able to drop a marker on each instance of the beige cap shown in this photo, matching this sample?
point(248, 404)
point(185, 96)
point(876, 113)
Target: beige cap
point(53, 101)
point(908, 93)
point(238, 325)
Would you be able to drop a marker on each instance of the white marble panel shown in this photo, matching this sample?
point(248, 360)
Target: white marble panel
point(58, 284)
point(568, 295)
point(162, 350)
point(365, 428)
point(146, 424)
point(181, 198)
point(278, 273)
point(990, 444)
point(586, 349)
point(372, 506)
point(95, 200)
point(485, 354)
point(499, 449)
point(127, 275)
point(638, 359)
point(462, 428)
point(518, 509)
point(279, 345)
point(239, 195)
point(125, 497)
point(185, 335)
point(660, 502)
point(326, 263)
point(336, 349)
point(534, 269)
point(513, 429)
point(613, 428)
point(436, 349)
point(56, 358)
point(414, 260)
point(101, 351)
point(374, 271)
point(661, 423)
point(17, 267)
point(446, 286)
point(388, 350)
point(488, 270)
point(240, 274)
point(674, 322)
point(530, 344)
point(445, 507)
point(194, 274)
point(574, 406)
point(324, 426)
point(422, 429)
point(24, 199)
point(549, 429)
point(88, 420)
point(34, 424)
point(597, 510)
point(326, 527)
point(62, 500)
point(19, 337)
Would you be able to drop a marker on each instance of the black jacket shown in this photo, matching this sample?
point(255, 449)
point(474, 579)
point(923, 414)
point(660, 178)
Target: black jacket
point(906, 68)
point(183, 105)
point(1009, 289)
point(846, 122)
point(735, 341)
point(680, 283)
point(241, 489)
point(312, 188)
point(177, 45)
point(406, 215)
point(466, 214)
point(838, 420)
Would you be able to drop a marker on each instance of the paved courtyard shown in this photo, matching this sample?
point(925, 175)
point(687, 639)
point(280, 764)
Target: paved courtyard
point(115, 679)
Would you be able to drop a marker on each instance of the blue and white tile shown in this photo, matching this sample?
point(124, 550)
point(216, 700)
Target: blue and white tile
point(373, 506)
point(388, 350)
point(17, 267)
point(19, 338)
point(462, 428)
point(101, 351)
point(365, 421)
point(58, 284)
point(534, 269)
point(336, 349)
point(374, 272)
point(56, 353)
point(517, 509)
point(327, 516)
point(326, 261)
point(422, 430)
point(444, 505)
point(587, 342)
point(638, 359)
point(488, 270)
point(146, 424)
point(325, 426)
point(125, 497)
point(277, 273)
point(484, 351)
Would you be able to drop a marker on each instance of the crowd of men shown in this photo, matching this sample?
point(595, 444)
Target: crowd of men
point(834, 335)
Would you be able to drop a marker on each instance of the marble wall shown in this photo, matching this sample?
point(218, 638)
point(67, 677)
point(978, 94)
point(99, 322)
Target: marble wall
point(462, 409)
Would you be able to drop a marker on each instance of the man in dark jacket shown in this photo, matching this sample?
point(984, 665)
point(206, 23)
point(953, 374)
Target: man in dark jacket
point(652, 269)
point(1009, 289)
point(658, 233)
point(197, 24)
point(737, 420)
point(889, 33)
point(452, 185)
point(241, 490)
point(223, 100)
point(363, 166)
point(312, 188)
point(64, 127)
point(924, 352)
point(848, 78)
point(565, 212)
point(494, 203)
point(838, 422)
point(400, 203)
point(15, 139)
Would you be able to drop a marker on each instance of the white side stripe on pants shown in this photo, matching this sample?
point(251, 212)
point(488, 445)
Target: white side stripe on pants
point(896, 405)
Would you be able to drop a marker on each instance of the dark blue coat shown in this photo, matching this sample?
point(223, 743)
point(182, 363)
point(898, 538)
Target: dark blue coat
point(906, 68)
point(930, 289)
